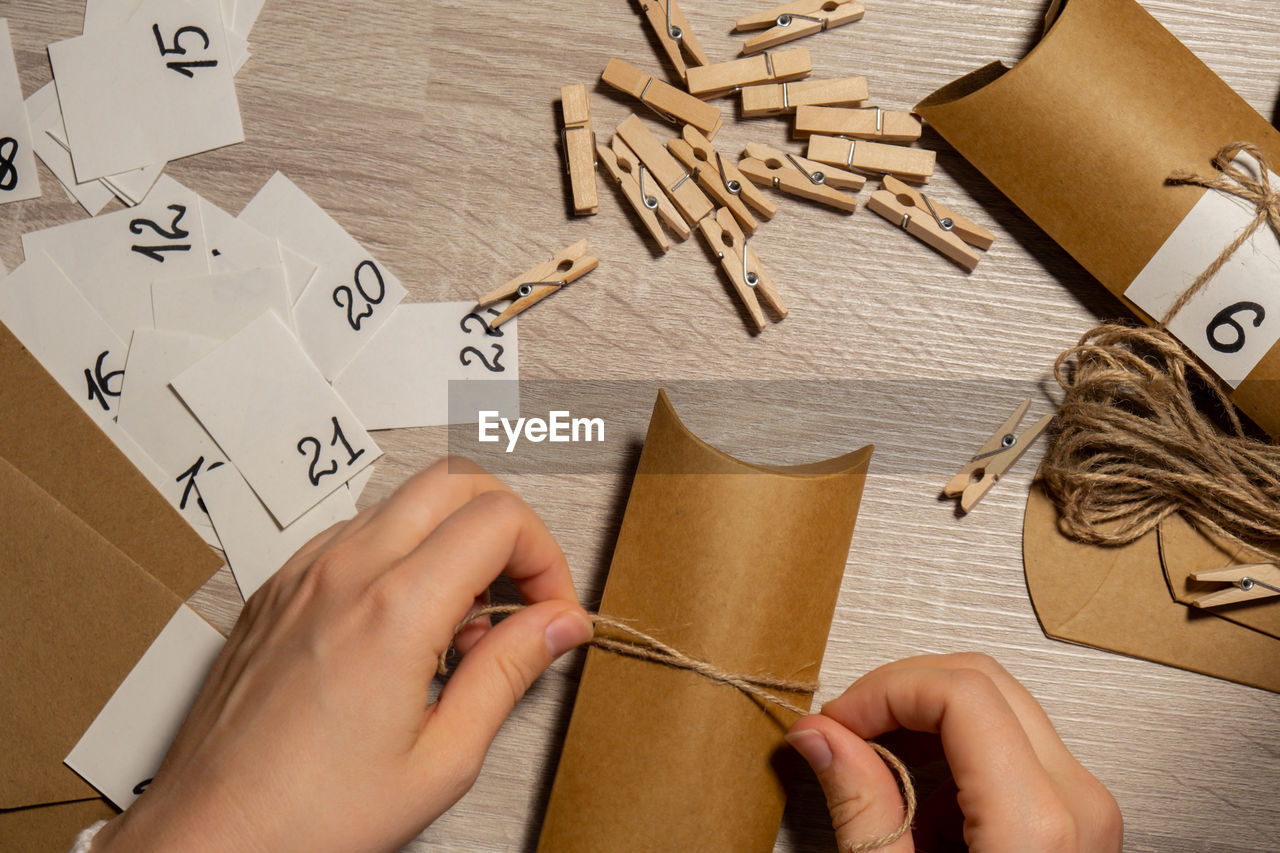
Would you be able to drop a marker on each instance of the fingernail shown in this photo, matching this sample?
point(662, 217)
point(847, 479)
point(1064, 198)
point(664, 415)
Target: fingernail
point(813, 745)
point(568, 630)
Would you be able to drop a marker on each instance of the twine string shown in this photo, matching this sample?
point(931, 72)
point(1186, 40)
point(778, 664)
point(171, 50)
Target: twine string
point(638, 644)
point(1132, 447)
point(1234, 180)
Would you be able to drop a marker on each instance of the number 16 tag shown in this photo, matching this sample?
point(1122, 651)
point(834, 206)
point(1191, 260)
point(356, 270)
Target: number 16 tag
point(1234, 320)
point(276, 418)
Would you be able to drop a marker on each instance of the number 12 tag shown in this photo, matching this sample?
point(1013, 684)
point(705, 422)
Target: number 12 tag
point(1234, 321)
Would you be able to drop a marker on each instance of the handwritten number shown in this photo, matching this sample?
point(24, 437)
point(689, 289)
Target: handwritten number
point(8, 171)
point(349, 300)
point(315, 460)
point(100, 384)
point(484, 324)
point(496, 367)
point(183, 67)
point(314, 443)
point(190, 476)
point(141, 787)
point(175, 232)
point(1226, 317)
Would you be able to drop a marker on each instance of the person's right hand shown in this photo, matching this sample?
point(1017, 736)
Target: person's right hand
point(1019, 788)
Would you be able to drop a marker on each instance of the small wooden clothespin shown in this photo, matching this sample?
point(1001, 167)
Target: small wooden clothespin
point(739, 262)
point(536, 284)
point(771, 99)
point(799, 177)
point(931, 222)
point(796, 20)
point(909, 164)
point(867, 123)
point(674, 34)
point(647, 198)
point(711, 81)
point(1248, 583)
point(721, 179)
point(579, 142)
point(995, 457)
point(664, 99)
point(689, 200)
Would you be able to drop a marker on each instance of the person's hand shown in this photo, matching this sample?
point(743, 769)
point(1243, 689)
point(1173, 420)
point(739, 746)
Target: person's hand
point(313, 731)
point(1019, 788)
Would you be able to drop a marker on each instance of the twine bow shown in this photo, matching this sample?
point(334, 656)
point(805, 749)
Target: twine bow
point(1236, 181)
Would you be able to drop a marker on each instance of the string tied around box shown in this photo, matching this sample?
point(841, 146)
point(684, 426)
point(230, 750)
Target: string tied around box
point(638, 644)
point(1235, 180)
point(1133, 447)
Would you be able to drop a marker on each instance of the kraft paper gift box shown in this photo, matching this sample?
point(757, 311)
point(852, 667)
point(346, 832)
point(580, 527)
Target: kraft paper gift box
point(739, 565)
point(1082, 135)
point(95, 563)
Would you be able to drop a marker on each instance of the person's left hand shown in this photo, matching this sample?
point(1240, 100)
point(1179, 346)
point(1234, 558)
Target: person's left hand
point(313, 731)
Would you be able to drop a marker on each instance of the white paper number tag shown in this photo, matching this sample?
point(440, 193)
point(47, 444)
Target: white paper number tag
point(18, 179)
point(276, 418)
point(123, 748)
point(351, 294)
point(66, 334)
point(402, 378)
point(1235, 318)
point(170, 92)
point(114, 258)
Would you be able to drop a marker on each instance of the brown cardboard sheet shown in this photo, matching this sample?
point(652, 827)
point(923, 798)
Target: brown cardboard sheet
point(94, 561)
point(739, 565)
point(1184, 550)
point(1117, 599)
point(1082, 133)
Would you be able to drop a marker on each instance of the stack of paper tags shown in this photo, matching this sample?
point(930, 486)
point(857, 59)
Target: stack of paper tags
point(239, 361)
point(147, 82)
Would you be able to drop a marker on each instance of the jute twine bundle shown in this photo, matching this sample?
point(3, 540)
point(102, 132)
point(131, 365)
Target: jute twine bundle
point(635, 643)
point(1132, 447)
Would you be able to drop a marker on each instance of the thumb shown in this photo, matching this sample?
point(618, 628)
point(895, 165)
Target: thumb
point(495, 673)
point(866, 806)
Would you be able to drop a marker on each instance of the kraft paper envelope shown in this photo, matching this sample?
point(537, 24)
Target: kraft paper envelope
point(736, 564)
point(1184, 550)
point(1082, 133)
point(1117, 599)
point(95, 562)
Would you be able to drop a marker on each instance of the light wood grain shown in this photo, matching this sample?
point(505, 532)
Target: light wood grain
point(430, 131)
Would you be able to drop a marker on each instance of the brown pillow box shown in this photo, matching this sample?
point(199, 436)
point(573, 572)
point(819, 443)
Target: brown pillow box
point(1082, 135)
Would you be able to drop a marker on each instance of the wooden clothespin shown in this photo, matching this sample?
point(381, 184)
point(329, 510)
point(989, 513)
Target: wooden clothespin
point(995, 457)
point(771, 99)
point(909, 164)
point(664, 99)
point(674, 34)
point(739, 262)
point(1248, 583)
point(647, 198)
point(799, 177)
point(931, 222)
point(796, 20)
point(536, 284)
point(579, 142)
point(711, 81)
point(721, 179)
point(689, 200)
point(868, 123)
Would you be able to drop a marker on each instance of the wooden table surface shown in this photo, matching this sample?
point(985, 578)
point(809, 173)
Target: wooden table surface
point(429, 130)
